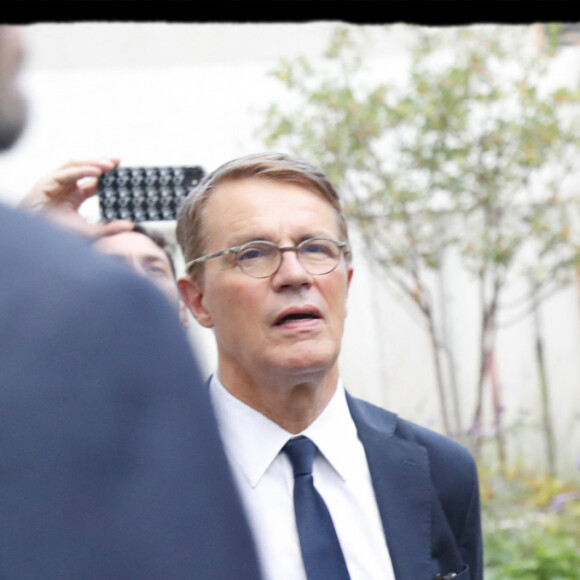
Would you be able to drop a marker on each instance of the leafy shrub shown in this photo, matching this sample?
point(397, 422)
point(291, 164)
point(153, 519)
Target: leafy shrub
point(531, 528)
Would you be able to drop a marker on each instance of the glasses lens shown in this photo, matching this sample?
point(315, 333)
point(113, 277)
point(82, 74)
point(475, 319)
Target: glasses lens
point(258, 259)
point(319, 256)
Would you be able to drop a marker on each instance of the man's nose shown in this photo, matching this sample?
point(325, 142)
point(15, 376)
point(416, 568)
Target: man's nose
point(291, 271)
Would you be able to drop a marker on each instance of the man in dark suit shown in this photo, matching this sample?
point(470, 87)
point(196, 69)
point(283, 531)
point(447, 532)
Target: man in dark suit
point(269, 268)
point(111, 465)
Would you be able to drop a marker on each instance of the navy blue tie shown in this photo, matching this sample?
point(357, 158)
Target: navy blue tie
point(321, 553)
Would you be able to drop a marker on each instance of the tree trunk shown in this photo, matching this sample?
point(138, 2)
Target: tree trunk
point(439, 373)
point(446, 348)
point(547, 424)
point(497, 413)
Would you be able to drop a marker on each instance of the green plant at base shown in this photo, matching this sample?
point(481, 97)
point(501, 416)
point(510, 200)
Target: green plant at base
point(533, 554)
point(531, 527)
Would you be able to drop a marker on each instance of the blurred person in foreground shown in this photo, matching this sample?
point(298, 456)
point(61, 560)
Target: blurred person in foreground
point(269, 268)
point(110, 464)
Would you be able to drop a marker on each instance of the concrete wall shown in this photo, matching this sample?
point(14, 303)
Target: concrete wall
point(164, 94)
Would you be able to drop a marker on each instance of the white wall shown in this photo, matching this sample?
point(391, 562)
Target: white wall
point(158, 94)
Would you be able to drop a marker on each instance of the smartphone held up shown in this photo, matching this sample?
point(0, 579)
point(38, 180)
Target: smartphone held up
point(145, 193)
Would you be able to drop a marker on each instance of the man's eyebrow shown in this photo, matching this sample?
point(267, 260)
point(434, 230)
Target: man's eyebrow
point(240, 240)
point(313, 235)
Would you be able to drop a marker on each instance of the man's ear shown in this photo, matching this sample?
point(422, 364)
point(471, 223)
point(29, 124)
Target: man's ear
point(192, 295)
point(349, 274)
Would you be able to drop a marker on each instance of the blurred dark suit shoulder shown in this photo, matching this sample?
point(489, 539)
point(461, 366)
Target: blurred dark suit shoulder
point(110, 461)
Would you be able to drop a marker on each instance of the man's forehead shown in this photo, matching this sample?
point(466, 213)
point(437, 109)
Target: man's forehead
point(130, 244)
point(251, 194)
point(247, 182)
point(257, 195)
point(251, 208)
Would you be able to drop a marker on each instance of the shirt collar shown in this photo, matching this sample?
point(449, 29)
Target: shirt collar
point(335, 434)
point(253, 441)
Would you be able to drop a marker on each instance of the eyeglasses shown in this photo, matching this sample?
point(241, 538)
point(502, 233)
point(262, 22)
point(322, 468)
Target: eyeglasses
point(262, 259)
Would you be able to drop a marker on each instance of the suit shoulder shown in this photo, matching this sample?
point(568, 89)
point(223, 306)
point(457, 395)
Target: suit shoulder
point(52, 279)
point(45, 267)
point(437, 443)
point(442, 450)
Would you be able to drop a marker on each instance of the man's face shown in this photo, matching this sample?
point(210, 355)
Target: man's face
point(145, 257)
point(13, 109)
point(250, 317)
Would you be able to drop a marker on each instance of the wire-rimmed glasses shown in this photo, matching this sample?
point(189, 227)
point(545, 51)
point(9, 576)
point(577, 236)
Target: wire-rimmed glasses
point(262, 258)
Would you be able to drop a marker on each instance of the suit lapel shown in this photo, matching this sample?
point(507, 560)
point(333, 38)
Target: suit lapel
point(400, 474)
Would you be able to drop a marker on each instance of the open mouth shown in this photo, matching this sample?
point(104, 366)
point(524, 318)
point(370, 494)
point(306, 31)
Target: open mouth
point(294, 317)
point(297, 315)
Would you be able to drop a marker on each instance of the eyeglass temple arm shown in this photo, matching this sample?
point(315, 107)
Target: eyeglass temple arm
point(210, 256)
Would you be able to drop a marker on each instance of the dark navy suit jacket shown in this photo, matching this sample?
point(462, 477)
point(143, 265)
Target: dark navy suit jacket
point(111, 466)
point(427, 491)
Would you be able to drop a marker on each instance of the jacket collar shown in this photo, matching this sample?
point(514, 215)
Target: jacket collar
point(400, 474)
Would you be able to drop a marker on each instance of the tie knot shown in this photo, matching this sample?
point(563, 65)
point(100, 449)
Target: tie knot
point(301, 452)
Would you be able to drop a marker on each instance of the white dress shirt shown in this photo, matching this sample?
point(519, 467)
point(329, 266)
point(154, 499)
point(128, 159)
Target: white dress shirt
point(341, 475)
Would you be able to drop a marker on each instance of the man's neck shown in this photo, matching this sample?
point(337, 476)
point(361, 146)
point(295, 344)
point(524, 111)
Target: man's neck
point(293, 402)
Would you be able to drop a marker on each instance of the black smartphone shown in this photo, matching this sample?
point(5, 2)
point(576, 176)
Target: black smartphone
point(145, 193)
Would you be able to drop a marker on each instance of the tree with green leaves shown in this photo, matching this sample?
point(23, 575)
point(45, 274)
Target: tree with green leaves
point(468, 151)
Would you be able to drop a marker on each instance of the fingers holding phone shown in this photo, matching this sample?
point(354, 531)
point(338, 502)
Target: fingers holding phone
point(60, 194)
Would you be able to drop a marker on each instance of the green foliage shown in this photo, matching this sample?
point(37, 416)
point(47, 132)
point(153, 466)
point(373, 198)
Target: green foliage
point(533, 554)
point(466, 148)
point(452, 151)
point(531, 528)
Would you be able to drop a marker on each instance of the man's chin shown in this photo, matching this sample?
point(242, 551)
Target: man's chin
point(304, 359)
